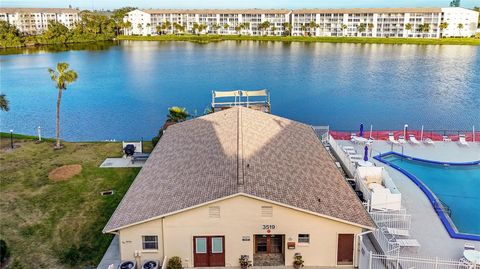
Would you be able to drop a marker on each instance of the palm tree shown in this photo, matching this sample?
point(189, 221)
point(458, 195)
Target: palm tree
point(127, 25)
point(148, 28)
point(166, 25)
point(273, 29)
point(303, 28)
point(140, 28)
point(443, 26)
point(246, 26)
point(287, 28)
point(408, 27)
point(371, 26)
point(4, 103)
point(226, 26)
point(177, 114)
point(265, 25)
point(343, 27)
point(215, 27)
point(195, 28)
point(313, 26)
point(62, 77)
point(238, 29)
point(159, 29)
point(460, 27)
point(361, 28)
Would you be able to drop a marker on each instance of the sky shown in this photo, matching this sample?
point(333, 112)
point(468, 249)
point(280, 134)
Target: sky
point(111, 4)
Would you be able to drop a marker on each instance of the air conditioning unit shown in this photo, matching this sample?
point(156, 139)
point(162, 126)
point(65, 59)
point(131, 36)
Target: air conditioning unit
point(151, 264)
point(128, 265)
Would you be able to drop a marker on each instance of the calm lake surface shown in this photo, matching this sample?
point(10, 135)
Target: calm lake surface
point(123, 91)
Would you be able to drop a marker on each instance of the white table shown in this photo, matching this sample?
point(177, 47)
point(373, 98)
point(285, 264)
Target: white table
point(365, 163)
point(472, 256)
point(360, 140)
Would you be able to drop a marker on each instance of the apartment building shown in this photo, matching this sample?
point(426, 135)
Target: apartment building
point(226, 22)
point(368, 22)
point(34, 21)
point(363, 22)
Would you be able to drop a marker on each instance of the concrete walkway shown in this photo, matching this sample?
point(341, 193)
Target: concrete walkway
point(112, 255)
point(124, 162)
point(426, 226)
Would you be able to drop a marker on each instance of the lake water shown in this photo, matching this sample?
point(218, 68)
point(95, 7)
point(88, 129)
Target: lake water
point(123, 91)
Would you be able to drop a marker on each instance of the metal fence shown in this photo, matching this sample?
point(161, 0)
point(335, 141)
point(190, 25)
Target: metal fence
point(419, 134)
point(371, 260)
point(342, 156)
point(392, 220)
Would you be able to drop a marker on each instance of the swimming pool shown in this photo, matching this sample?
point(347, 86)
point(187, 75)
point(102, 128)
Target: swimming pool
point(456, 185)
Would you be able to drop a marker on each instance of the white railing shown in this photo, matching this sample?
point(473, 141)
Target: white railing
point(388, 245)
point(164, 263)
point(371, 260)
point(343, 157)
point(391, 220)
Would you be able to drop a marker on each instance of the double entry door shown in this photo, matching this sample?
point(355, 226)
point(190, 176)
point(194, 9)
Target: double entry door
point(208, 251)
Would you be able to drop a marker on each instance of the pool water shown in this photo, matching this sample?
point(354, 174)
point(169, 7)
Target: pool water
point(457, 186)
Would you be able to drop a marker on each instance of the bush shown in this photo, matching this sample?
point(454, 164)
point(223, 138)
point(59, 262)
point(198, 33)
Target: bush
point(4, 251)
point(174, 263)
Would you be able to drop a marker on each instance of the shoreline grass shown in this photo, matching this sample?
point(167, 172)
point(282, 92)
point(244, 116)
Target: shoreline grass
point(357, 40)
point(57, 224)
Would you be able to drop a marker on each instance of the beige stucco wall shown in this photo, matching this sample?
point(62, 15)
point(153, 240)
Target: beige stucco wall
point(240, 217)
point(131, 241)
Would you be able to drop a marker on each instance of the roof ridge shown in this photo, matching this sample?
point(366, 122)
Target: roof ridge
point(240, 157)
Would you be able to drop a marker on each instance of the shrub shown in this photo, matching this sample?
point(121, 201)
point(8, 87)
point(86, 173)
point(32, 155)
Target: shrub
point(174, 263)
point(4, 251)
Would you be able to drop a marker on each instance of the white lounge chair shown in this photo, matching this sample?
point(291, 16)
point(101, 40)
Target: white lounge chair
point(428, 141)
point(469, 246)
point(462, 141)
point(401, 139)
point(408, 243)
point(391, 139)
point(413, 139)
point(355, 158)
point(350, 151)
point(352, 137)
point(446, 138)
point(348, 148)
point(398, 232)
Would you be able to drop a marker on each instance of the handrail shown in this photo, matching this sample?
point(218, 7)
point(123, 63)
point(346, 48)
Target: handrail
point(164, 263)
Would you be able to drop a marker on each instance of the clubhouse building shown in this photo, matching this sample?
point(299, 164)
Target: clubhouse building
point(240, 182)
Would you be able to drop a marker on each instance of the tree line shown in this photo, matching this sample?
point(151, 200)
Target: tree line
point(93, 26)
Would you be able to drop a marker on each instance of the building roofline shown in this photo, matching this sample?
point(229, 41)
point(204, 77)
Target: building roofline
point(233, 196)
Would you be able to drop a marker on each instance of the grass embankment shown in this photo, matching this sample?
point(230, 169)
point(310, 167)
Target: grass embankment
point(57, 224)
point(361, 40)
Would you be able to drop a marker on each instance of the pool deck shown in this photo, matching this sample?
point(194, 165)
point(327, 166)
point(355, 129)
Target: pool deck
point(426, 226)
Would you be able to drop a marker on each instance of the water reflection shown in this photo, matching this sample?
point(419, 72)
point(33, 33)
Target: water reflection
point(339, 85)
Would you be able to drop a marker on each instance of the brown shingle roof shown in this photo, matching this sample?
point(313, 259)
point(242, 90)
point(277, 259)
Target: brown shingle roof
point(206, 158)
point(368, 10)
point(37, 10)
point(216, 11)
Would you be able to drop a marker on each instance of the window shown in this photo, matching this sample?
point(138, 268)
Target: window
point(201, 245)
point(267, 211)
point(304, 238)
point(217, 245)
point(150, 242)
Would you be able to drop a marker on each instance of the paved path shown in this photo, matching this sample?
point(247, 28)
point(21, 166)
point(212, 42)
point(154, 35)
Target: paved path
point(426, 226)
point(112, 255)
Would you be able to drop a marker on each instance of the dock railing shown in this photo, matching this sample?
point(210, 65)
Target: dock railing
point(437, 135)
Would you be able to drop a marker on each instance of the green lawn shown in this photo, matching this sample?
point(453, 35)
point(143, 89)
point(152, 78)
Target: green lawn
point(361, 40)
point(50, 224)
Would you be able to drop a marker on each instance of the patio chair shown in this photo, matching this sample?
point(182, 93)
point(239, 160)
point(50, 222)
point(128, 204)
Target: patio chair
point(428, 141)
point(445, 138)
point(352, 137)
point(398, 232)
point(408, 243)
point(468, 246)
point(348, 148)
point(401, 139)
point(413, 139)
point(391, 139)
point(462, 141)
